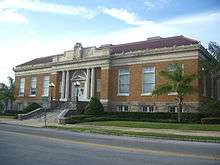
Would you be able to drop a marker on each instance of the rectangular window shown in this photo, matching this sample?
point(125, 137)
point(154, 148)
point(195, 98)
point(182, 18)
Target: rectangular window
point(148, 80)
point(122, 108)
point(45, 91)
point(19, 106)
point(123, 82)
point(33, 85)
point(21, 87)
point(172, 109)
point(148, 108)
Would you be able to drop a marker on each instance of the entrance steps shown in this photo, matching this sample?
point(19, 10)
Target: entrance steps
point(57, 115)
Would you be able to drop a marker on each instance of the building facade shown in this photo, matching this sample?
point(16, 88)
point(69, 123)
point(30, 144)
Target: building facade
point(122, 76)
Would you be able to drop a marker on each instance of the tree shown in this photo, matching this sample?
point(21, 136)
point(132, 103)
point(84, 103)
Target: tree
point(178, 82)
point(94, 107)
point(211, 66)
point(7, 93)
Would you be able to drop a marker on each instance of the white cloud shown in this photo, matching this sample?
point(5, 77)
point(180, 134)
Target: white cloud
point(122, 14)
point(42, 6)
point(152, 4)
point(202, 26)
point(11, 16)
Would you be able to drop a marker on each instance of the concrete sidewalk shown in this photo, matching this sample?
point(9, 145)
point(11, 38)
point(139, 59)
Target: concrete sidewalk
point(40, 123)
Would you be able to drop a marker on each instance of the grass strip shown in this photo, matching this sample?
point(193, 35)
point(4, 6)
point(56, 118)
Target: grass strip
point(157, 125)
point(139, 134)
point(7, 117)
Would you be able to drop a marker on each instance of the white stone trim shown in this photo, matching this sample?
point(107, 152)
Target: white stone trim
point(88, 83)
point(104, 100)
point(146, 94)
point(131, 60)
point(62, 85)
point(67, 86)
point(172, 94)
point(123, 94)
point(92, 92)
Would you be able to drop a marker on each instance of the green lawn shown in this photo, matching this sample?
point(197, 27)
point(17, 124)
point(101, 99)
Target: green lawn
point(155, 125)
point(139, 134)
point(7, 117)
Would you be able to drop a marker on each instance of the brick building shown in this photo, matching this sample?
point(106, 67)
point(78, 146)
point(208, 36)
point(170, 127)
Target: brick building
point(122, 76)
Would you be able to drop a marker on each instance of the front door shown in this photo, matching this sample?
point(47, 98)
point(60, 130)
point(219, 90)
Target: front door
point(81, 91)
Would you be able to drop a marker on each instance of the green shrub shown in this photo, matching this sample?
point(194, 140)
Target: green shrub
point(94, 107)
point(31, 107)
point(210, 120)
point(211, 107)
point(137, 116)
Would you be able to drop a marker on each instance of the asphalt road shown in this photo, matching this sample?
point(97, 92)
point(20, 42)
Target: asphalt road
point(21, 145)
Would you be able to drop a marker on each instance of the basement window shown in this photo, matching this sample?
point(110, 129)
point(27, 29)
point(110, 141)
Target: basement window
point(172, 109)
point(122, 108)
point(148, 108)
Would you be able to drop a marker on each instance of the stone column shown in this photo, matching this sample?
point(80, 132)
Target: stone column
point(63, 85)
point(67, 85)
point(92, 93)
point(88, 83)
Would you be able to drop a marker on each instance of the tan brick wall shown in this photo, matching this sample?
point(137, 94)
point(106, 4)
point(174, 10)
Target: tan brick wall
point(190, 66)
point(105, 83)
point(97, 76)
point(55, 78)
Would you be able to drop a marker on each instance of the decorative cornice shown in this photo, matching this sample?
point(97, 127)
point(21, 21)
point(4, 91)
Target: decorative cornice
point(106, 61)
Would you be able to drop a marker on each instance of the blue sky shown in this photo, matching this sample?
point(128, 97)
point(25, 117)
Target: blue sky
point(36, 28)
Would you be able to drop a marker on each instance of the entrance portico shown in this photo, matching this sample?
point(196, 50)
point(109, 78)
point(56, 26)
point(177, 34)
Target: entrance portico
point(86, 78)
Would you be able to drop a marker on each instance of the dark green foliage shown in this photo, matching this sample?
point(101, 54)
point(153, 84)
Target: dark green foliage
point(210, 120)
point(1, 107)
point(211, 107)
point(177, 82)
point(94, 107)
point(31, 107)
point(137, 116)
point(7, 93)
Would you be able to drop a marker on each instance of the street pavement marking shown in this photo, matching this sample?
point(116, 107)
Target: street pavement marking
point(120, 148)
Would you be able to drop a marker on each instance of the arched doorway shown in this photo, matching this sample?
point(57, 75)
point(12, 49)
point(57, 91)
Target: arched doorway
point(80, 76)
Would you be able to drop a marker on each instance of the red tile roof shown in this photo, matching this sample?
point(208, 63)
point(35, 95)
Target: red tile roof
point(41, 60)
point(154, 42)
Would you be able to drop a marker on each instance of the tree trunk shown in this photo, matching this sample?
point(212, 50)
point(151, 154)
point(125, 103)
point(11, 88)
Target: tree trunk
point(180, 104)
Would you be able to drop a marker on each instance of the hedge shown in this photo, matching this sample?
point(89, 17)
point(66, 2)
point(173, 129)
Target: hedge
point(210, 120)
point(137, 116)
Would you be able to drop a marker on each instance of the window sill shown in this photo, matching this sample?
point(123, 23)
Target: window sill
point(172, 94)
point(20, 95)
point(44, 96)
point(123, 94)
point(146, 94)
point(32, 95)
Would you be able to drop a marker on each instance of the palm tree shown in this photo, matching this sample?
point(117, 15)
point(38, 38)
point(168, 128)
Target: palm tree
point(7, 93)
point(211, 66)
point(177, 82)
